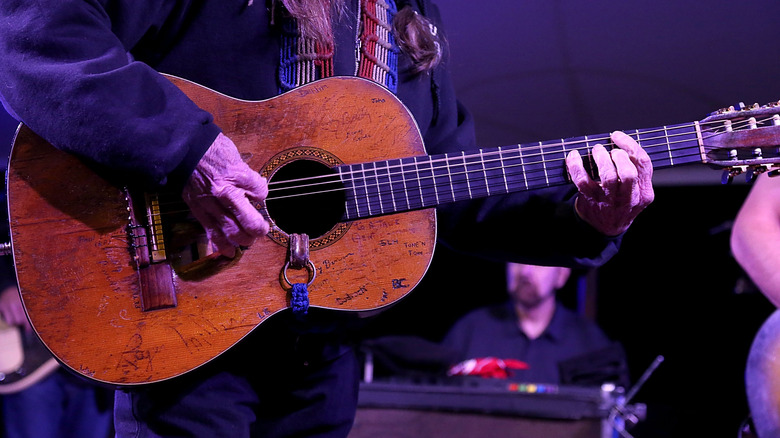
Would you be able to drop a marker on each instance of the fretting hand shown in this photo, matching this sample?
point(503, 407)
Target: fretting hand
point(625, 189)
point(220, 193)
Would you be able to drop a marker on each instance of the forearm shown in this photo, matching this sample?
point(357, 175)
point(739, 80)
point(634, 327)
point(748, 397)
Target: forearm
point(755, 238)
point(758, 257)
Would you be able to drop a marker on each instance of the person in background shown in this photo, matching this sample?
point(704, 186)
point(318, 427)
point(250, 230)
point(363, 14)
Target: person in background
point(85, 76)
point(755, 245)
point(755, 236)
point(533, 337)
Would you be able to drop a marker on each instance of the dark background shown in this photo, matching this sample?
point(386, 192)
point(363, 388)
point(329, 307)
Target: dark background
point(541, 70)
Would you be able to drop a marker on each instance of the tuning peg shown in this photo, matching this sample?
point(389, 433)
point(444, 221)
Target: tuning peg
point(728, 174)
point(750, 176)
point(726, 177)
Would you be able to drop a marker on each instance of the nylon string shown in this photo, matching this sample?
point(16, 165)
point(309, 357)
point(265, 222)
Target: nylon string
point(360, 175)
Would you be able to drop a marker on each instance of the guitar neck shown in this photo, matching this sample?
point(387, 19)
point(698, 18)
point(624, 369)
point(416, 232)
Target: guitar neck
point(398, 185)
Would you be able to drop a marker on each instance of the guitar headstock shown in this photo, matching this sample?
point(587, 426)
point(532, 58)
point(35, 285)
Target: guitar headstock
point(742, 140)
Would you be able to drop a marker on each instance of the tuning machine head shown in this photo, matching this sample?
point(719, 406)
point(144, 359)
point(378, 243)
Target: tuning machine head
point(728, 175)
point(750, 172)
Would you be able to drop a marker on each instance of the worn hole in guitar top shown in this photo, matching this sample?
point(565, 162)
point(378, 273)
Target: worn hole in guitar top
point(305, 197)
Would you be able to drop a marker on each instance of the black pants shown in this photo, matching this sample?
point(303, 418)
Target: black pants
point(275, 383)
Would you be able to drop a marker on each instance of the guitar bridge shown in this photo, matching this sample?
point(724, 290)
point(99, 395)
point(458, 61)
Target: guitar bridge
point(155, 275)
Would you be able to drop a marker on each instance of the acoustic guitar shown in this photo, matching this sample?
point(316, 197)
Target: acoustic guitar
point(761, 378)
point(122, 288)
point(24, 360)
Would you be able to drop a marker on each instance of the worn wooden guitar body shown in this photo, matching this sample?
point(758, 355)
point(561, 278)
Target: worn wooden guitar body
point(83, 269)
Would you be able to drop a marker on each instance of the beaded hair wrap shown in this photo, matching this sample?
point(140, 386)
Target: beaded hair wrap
point(304, 60)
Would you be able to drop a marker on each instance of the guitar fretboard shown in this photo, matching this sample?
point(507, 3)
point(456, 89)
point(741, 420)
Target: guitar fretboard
point(398, 185)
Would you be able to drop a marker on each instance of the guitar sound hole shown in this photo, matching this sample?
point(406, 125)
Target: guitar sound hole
point(305, 197)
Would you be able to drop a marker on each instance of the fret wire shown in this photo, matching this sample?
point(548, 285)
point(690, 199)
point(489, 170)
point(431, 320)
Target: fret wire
point(484, 172)
point(476, 168)
point(433, 178)
point(406, 190)
point(390, 186)
point(639, 139)
point(380, 192)
point(449, 176)
point(417, 171)
point(502, 166)
point(368, 197)
point(565, 152)
point(361, 190)
point(668, 146)
point(522, 164)
point(544, 163)
point(442, 183)
point(589, 152)
point(372, 189)
point(466, 168)
point(412, 183)
point(460, 179)
point(354, 196)
point(375, 177)
point(532, 168)
point(423, 168)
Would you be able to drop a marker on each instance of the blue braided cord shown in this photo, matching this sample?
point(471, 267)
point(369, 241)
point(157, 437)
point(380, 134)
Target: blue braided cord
point(300, 299)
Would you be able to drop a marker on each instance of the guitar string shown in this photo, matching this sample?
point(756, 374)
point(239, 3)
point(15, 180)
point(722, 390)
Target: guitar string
point(531, 176)
point(449, 163)
point(501, 155)
point(431, 171)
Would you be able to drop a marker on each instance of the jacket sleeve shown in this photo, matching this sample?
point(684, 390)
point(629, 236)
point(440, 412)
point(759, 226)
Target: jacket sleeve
point(537, 227)
point(67, 74)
